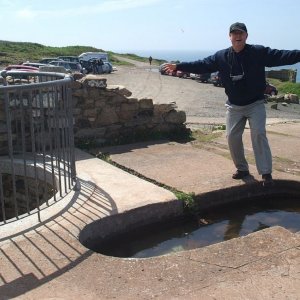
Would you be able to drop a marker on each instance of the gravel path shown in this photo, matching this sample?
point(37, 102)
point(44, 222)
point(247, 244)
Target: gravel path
point(202, 102)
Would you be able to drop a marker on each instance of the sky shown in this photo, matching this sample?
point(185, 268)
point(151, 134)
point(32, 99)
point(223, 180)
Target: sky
point(127, 25)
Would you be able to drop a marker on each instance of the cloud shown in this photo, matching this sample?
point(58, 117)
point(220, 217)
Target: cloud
point(26, 14)
point(94, 8)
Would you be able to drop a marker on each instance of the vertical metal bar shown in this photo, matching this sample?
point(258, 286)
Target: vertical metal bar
point(71, 137)
point(57, 139)
point(10, 150)
point(67, 128)
point(51, 136)
point(43, 142)
point(23, 133)
point(63, 135)
point(33, 150)
point(2, 200)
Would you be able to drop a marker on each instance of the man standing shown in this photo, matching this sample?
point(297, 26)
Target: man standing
point(242, 70)
point(100, 64)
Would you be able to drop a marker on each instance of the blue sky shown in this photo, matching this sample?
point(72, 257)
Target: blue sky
point(128, 25)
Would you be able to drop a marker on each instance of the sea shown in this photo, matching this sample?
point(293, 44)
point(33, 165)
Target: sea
point(192, 55)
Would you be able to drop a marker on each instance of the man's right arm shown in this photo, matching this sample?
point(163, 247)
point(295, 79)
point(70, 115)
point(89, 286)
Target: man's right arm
point(207, 65)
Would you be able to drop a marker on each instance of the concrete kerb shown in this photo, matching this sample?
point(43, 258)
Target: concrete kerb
point(115, 185)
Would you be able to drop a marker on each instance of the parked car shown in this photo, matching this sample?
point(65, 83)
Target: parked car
point(194, 76)
point(205, 77)
point(93, 55)
point(88, 66)
point(76, 67)
point(34, 64)
point(69, 58)
point(182, 74)
point(107, 67)
point(216, 79)
point(69, 66)
point(48, 59)
point(21, 68)
point(61, 63)
point(271, 89)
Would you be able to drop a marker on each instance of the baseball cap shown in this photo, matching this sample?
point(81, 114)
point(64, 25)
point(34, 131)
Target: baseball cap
point(238, 26)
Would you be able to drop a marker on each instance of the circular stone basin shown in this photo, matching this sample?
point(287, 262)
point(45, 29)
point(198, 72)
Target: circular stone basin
point(197, 230)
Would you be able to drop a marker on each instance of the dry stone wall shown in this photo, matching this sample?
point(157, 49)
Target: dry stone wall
point(107, 113)
point(102, 114)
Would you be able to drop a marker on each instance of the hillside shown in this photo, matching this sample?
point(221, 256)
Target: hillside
point(16, 52)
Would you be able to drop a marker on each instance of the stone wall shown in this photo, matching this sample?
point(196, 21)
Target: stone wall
point(106, 114)
point(283, 74)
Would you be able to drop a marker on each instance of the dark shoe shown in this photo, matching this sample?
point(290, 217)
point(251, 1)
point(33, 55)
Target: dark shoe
point(240, 174)
point(267, 180)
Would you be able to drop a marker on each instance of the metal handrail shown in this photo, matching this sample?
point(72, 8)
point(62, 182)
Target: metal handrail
point(37, 161)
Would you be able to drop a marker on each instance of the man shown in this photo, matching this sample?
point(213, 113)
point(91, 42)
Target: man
point(100, 64)
point(242, 70)
point(150, 60)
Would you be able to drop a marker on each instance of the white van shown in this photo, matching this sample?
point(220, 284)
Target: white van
point(93, 55)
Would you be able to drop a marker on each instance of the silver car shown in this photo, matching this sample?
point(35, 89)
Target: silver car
point(70, 66)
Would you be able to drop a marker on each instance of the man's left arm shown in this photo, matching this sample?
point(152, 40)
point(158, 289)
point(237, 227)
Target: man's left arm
point(274, 57)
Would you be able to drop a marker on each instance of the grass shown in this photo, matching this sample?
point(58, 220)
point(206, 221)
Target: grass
point(206, 136)
point(285, 87)
point(17, 52)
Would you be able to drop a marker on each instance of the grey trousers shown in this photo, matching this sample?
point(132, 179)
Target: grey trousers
point(236, 118)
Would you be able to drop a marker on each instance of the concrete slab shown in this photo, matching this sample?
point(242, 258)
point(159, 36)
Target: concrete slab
point(180, 166)
point(198, 170)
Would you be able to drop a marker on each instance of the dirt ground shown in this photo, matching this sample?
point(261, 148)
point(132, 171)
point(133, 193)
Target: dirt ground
point(202, 102)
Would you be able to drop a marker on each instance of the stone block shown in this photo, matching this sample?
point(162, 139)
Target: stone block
point(126, 115)
point(146, 104)
point(132, 100)
point(121, 90)
point(107, 116)
point(90, 113)
point(163, 108)
point(80, 92)
point(291, 98)
point(93, 93)
point(93, 81)
point(90, 133)
point(176, 117)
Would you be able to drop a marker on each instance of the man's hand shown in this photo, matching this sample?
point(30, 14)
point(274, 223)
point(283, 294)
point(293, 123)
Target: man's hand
point(167, 68)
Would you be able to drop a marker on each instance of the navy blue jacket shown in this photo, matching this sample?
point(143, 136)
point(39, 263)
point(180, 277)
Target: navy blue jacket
point(250, 62)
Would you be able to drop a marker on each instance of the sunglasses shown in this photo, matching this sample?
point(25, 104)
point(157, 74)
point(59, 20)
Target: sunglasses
point(237, 77)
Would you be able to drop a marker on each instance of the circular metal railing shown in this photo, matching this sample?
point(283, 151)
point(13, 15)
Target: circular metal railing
point(37, 163)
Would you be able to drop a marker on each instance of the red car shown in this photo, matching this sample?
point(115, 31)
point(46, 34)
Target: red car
point(216, 79)
point(21, 68)
point(171, 73)
point(182, 74)
point(270, 89)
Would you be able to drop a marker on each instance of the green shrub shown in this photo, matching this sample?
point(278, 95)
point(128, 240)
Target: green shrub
point(285, 87)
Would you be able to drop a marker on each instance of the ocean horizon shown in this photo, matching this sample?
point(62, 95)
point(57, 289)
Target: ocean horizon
point(192, 55)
